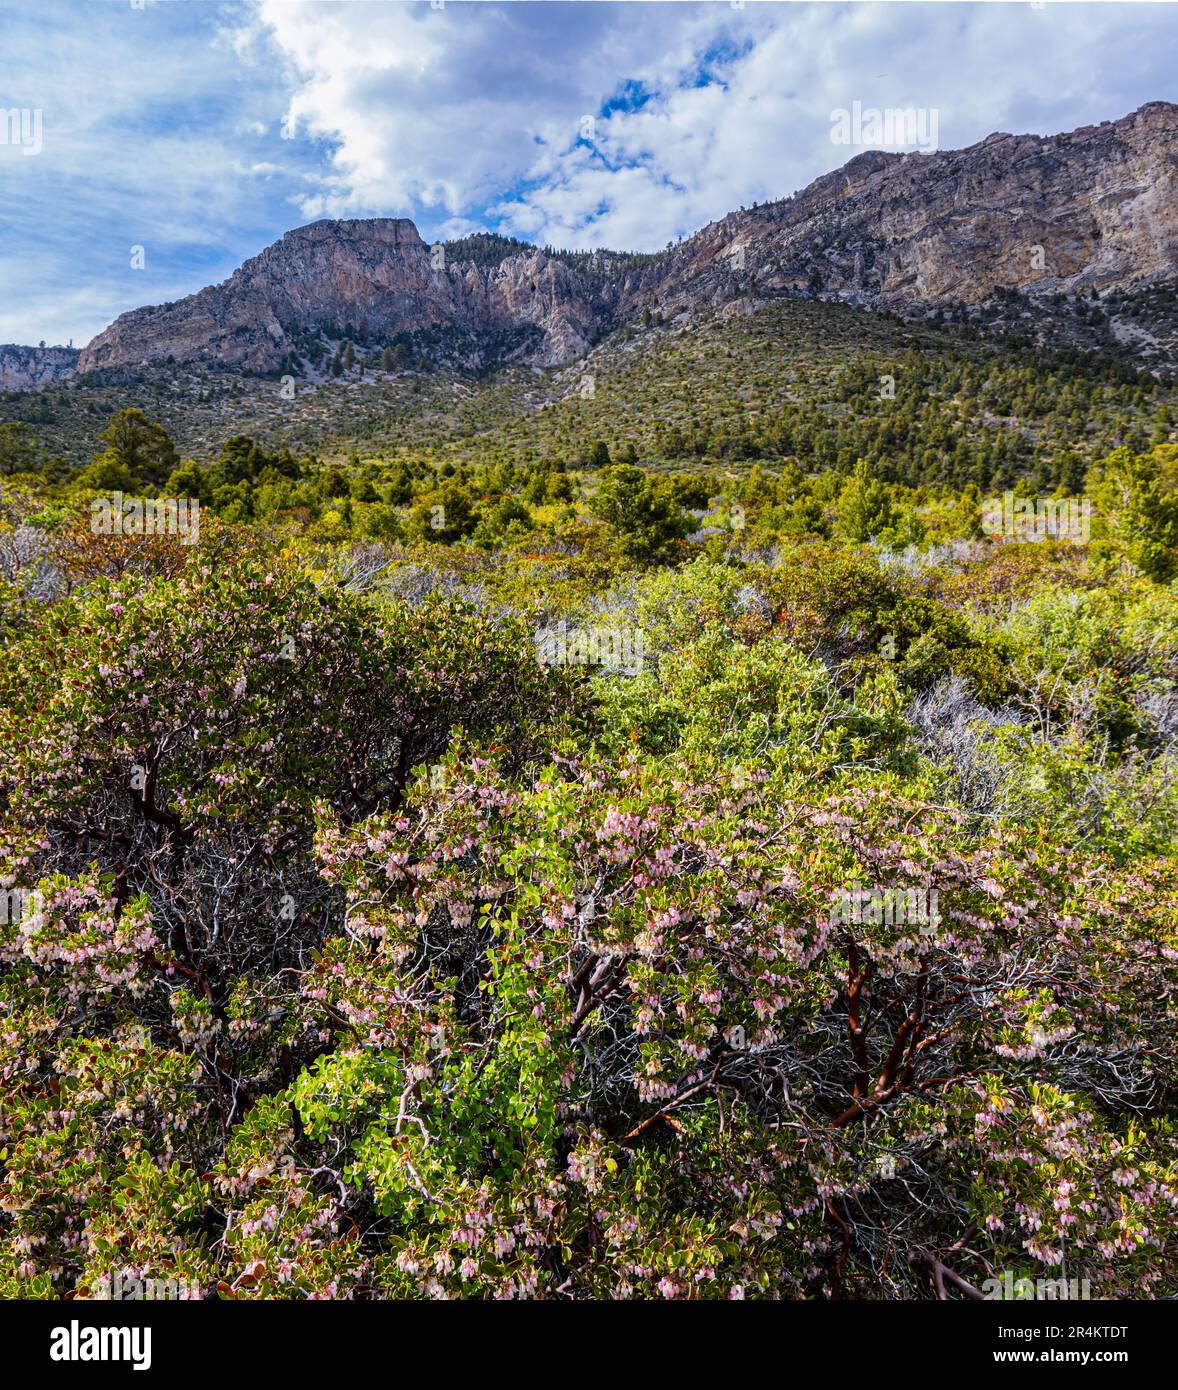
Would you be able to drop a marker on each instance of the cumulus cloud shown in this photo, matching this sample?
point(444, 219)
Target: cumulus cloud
point(476, 112)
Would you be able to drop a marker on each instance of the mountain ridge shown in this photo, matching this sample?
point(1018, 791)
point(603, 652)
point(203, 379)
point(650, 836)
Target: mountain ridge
point(1077, 214)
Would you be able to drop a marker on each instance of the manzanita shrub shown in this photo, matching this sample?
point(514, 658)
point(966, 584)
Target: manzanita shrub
point(355, 951)
point(605, 1033)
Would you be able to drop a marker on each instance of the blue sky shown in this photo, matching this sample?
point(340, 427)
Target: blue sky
point(202, 131)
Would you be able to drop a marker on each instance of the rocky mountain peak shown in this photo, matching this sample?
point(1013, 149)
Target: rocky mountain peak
point(1095, 209)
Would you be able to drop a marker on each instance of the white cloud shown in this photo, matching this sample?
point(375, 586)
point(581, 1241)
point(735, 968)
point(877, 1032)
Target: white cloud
point(472, 112)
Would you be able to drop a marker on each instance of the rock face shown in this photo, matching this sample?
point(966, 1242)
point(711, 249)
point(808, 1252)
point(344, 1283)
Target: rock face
point(374, 278)
point(30, 368)
point(1093, 209)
